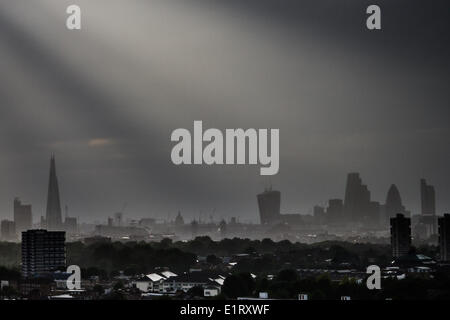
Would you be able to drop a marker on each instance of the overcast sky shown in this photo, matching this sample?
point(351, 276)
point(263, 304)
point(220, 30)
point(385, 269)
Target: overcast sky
point(106, 99)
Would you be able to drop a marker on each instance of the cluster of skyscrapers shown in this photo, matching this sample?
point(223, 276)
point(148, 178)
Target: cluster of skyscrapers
point(357, 211)
point(357, 207)
point(11, 230)
point(43, 249)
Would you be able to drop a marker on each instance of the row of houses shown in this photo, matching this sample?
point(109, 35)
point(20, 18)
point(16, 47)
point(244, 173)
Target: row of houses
point(167, 282)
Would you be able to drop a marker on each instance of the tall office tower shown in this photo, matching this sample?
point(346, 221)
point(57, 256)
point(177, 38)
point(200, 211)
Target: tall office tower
point(400, 235)
point(43, 252)
point(428, 217)
point(7, 230)
point(394, 204)
point(444, 237)
point(53, 214)
point(357, 205)
point(22, 216)
point(427, 197)
point(335, 211)
point(269, 203)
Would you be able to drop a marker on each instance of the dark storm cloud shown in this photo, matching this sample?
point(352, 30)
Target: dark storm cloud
point(413, 27)
point(107, 98)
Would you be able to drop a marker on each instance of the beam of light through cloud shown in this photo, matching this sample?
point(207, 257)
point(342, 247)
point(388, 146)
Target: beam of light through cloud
point(106, 99)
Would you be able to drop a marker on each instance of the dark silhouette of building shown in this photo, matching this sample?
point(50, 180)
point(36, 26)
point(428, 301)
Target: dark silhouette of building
point(357, 204)
point(144, 222)
point(223, 228)
point(194, 228)
point(118, 219)
point(319, 214)
point(372, 217)
point(428, 215)
point(394, 204)
point(269, 203)
point(53, 213)
point(400, 235)
point(22, 216)
point(8, 230)
point(43, 252)
point(179, 221)
point(427, 197)
point(291, 219)
point(444, 237)
point(335, 211)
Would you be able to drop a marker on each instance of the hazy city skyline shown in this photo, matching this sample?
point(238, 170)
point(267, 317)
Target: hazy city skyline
point(355, 210)
point(106, 99)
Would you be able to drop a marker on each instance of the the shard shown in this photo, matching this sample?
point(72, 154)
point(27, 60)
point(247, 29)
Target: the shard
point(53, 214)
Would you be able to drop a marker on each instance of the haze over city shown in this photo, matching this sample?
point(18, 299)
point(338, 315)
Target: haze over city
point(217, 158)
point(105, 101)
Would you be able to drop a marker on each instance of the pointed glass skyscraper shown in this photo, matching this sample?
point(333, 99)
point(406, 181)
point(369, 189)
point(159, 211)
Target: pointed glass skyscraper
point(53, 214)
